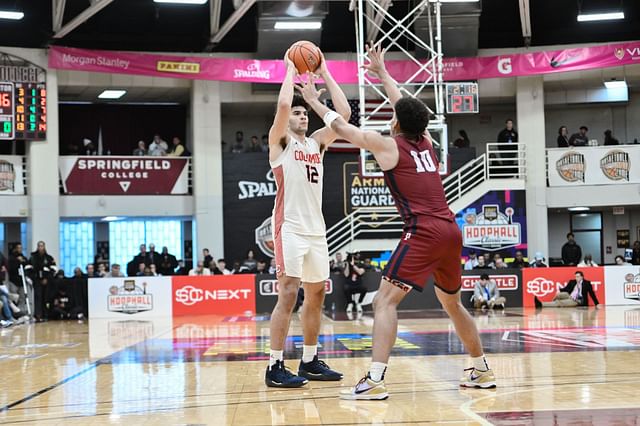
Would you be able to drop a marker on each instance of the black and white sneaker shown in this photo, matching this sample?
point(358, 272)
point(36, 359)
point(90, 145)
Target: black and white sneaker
point(318, 370)
point(278, 376)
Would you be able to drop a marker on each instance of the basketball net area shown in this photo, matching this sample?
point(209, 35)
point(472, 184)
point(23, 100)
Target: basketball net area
point(374, 22)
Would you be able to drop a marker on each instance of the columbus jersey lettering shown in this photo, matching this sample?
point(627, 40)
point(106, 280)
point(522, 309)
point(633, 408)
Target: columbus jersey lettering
point(299, 174)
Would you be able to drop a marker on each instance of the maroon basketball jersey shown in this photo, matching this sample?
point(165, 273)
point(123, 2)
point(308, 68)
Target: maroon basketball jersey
point(415, 182)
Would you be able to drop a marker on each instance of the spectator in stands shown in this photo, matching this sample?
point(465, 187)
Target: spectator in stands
point(89, 147)
point(353, 284)
point(580, 138)
point(519, 261)
point(158, 147)
point(506, 137)
point(481, 264)
point(238, 268)
point(115, 272)
point(102, 270)
point(262, 267)
point(16, 259)
point(200, 270)
point(571, 251)
point(182, 269)
point(207, 258)
point(492, 262)
point(43, 266)
point(254, 146)
point(587, 261)
point(538, 261)
point(499, 263)
point(143, 256)
point(141, 150)
point(64, 306)
point(486, 294)
point(16, 299)
point(153, 258)
point(178, 149)
point(222, 267)
point(635, 254)
point(101, 257)
point(619, 260)
point(141, 268)
point(610, 140)
point(273, 268)
point(238, 145)
point(7, 302)
point(154, 270)
point(471, 262)
point(147, 272)
point(339, 265)
point(250, 262)
point(265, 143)
point(168, 262)
point(575, 293)
point(563, 137)
point(462, 141)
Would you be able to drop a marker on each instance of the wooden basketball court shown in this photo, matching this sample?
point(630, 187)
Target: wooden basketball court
point(554, 366)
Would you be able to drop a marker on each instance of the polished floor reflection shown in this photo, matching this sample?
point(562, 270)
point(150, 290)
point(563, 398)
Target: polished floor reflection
point(554, 366)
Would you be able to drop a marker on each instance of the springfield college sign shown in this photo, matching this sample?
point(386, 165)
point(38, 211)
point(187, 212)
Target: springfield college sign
point(124, 175)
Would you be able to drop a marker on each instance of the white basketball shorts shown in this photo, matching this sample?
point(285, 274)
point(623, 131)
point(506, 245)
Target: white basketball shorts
point(301, 256)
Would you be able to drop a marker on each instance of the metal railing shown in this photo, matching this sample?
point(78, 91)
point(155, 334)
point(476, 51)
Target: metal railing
point(500, 161)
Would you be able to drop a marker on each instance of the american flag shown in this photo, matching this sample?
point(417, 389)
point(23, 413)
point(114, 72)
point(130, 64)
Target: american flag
point(385, 113)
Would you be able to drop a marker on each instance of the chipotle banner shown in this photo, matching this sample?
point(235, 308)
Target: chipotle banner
point(124, 175)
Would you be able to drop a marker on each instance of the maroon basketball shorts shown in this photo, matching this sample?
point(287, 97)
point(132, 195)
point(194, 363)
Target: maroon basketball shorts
point(428, 246)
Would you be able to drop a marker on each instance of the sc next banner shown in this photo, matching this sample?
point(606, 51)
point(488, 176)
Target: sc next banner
point(213, 295)
point(544, 283)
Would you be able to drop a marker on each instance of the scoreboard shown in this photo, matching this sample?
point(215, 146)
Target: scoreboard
point(31, 111)
point(7, 112)
point(462, 98)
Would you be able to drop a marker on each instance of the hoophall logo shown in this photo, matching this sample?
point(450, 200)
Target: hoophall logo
point(632, 286)
point(504, 66)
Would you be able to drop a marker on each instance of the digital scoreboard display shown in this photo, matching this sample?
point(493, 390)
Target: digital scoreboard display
point(462, 98)
point(31, 111)
point(7, 112)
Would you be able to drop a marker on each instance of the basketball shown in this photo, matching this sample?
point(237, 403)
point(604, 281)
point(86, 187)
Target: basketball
point(305, 56)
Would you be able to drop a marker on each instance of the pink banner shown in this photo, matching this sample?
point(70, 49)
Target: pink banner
point(345, 72)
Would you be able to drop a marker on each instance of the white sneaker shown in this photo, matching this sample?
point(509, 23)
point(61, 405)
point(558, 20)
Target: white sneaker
point(6, 323)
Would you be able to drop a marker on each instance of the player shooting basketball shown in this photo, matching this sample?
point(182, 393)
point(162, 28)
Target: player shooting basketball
point(299, 230)
point(431, 241)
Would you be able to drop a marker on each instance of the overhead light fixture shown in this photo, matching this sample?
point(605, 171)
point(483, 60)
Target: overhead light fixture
point(298, 25)
point(13, 15)
point(579, 209)
point(590, 17)
point(182, 1)
point(112, 218)
point(112, 94)
point(615, 84)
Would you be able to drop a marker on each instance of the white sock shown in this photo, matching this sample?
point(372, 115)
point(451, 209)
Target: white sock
point(308, 352)
point(376, 371)
point(480, 363)
point(275, 356)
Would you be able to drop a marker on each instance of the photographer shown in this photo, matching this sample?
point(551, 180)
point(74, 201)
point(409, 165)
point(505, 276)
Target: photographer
point(353, 272)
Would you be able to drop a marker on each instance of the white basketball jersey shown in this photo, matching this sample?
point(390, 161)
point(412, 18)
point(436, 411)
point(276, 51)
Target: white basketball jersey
point(299, 173)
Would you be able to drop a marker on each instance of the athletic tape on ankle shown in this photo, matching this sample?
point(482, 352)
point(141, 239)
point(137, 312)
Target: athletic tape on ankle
point(330, 117)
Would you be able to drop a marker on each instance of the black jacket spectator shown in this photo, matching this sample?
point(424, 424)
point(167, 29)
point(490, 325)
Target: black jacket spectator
point(571, 252)
point(587, 290)
point(168, 263)
point(610, 140)
point(563, 137)
point(462, 141)
point(635, 254)
point(16, 259)
point(581, 138)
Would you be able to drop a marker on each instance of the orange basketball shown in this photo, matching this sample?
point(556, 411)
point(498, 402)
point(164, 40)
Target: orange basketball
point(305, 56)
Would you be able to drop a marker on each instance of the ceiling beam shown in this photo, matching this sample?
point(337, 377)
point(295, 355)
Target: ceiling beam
point(232, 21)
point(57, 14)
point(525, 21)
point(214, 20)
point(96, 6)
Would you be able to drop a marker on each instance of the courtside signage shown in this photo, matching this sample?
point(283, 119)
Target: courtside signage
point(270, 287)
point(132, 297)
point(544, 283)
point(623, 285)
point(213, 295)
point(504, 282)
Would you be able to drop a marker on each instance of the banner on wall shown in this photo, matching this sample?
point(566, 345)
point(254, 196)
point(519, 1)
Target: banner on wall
point(124, 175)
point(544, 283)
point(603, 165)
point(345, 72)
point(495, 222)
point(623, 285)
point(11, 181)
point(130, 298)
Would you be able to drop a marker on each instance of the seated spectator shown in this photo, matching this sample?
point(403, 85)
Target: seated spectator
point(141, 150)
point(238, 145)
point(200, 270)
point(575, 293)
point(499, 263)
point(254, 145)
point(588, 261)
point(273, 268)
point(538, 261)
point(7, 301)
point(563, 137)
point(222, 267)
point(115, 272)
point(102, 270)
point(580, 138)
point(519, 261)
point(486, 294)
point(262, 267)
point(610, 140)
point(471, 262)
point(207, 258)
point(91, 271)
point(462, 141)
point(250, 262)
point(487, 259)
point(353, 285)
point(481, 264)
point(182, 269)
point(621, 262)
point(64, 307)
point(154, 270)
point(635, 253)
point(178, 149)
point(158, 147)
point(147, 272)
point(265, 143)
point(141, 269)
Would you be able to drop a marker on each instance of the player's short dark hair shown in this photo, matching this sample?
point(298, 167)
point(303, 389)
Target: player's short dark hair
point(413, 117)
point(484, 277)
point(298, 101)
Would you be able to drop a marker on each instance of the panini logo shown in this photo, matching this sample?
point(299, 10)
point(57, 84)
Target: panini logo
point(179, 67)
point(571, 167)
point(632, 287)
point(615, 165)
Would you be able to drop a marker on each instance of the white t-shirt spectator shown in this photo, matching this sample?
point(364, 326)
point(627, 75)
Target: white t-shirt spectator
point(158, 148)
point(196, 271)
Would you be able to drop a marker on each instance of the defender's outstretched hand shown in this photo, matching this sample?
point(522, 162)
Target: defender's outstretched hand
point(375, 55)
point(308, 89)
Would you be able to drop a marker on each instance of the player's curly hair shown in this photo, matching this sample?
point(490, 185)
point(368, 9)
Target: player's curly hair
point(413, 117)
point(298, 101)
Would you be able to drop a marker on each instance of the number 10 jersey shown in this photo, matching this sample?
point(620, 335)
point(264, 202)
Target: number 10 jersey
point(299, 174)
